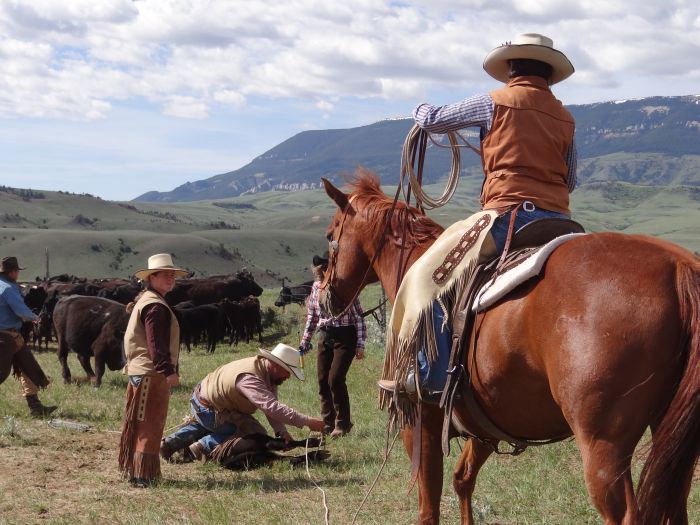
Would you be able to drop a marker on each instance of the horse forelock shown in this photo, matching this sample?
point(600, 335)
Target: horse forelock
point(368, 198)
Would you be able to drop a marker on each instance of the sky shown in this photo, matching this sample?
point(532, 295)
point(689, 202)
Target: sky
point(117, 97)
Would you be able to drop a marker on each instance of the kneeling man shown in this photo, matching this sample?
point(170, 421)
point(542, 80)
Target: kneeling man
point(224, 401)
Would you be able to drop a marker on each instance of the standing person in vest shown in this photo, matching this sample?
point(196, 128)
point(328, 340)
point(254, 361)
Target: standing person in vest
point(224, 402)
point(342, 339)
point(13, 350)
point(151, 343)
point(527, 150)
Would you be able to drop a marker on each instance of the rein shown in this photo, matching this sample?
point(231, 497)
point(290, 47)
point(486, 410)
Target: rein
point(380, 245)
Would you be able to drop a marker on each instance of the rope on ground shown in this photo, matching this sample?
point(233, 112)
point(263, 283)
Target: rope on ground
point(376, 478)
point(323, 492)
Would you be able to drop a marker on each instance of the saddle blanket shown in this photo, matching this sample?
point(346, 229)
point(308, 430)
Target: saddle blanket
point(505, 283)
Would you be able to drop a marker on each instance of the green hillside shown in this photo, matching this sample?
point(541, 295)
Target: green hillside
point(273, 234)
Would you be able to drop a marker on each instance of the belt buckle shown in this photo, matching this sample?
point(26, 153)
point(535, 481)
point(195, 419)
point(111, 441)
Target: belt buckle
point(528, 206)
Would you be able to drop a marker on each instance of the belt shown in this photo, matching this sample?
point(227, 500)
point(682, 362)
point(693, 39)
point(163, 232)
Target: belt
point(343, 327)
point(199, 397)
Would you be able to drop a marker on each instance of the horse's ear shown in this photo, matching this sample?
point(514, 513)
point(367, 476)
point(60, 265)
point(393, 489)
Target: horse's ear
point(334, 193)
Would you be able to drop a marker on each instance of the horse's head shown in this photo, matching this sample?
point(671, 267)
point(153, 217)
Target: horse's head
point(351, 245)
point(371, 237)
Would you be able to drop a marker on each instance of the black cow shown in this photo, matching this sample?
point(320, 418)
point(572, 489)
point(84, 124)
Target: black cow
point(211, 290)
point(90, 326)
point(205, 319)
point(123, 294)
point(34, 297)
point(294, 294)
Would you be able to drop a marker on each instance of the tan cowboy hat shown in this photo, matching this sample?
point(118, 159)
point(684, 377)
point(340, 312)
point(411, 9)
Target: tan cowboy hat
point(287, 357)
point(528, 45)
point(157, 263)
point(9, 264)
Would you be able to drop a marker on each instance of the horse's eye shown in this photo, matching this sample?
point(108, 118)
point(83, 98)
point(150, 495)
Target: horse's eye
point(329, 236)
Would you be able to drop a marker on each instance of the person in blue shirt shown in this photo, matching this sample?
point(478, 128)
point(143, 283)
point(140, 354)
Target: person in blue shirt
point(13, 350)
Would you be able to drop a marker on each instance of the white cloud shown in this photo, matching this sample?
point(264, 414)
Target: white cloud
point(300, 64)
point(186, 107)
point(87, 51)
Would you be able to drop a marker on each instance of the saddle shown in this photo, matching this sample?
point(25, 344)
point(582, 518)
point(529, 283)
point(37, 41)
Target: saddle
point(526, 243)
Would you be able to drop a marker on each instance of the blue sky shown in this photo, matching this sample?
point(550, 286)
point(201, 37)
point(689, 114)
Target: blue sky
point(118, 97)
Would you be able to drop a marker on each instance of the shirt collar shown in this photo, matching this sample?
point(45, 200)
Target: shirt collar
point(532, 81)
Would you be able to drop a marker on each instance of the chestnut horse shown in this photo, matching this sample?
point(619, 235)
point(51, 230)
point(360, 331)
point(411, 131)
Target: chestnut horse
point(605, 344)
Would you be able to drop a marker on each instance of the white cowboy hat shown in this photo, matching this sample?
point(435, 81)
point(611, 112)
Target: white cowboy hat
point(157, 263)
point(528, 45)
point(287, 357)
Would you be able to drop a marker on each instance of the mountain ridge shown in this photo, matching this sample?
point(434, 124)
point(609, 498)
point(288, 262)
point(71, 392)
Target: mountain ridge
point(656, 130)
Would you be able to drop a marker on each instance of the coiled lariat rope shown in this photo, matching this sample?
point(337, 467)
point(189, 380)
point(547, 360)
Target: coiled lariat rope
point(414, 148)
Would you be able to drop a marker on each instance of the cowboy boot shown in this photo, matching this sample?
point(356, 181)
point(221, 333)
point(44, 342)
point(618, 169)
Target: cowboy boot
point(36, 408)
point(195, 452)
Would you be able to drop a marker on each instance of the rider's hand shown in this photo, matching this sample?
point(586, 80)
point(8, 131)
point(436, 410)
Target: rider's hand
point(172, 380)
point(360, 353)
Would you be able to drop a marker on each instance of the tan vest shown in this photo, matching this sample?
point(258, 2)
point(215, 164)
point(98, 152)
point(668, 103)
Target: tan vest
point(138, 359)
point(219, 386)
point(524, 153)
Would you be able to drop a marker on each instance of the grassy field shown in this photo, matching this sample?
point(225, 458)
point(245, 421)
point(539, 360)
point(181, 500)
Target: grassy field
point(60, 476)
point(274, 234)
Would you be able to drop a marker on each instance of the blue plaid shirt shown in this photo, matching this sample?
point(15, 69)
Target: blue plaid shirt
point(12, 308)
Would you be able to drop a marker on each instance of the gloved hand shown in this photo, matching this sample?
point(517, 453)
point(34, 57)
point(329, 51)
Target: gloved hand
point(304, 348)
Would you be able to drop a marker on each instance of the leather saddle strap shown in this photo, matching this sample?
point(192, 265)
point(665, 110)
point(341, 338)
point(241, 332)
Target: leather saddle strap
point(509, 236)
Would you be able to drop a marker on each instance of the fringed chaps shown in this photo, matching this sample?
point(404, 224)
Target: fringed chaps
point(441, 274)
point(144, 420)
point(15, 355)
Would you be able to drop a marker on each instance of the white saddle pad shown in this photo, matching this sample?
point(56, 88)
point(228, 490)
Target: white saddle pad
point(507, 281)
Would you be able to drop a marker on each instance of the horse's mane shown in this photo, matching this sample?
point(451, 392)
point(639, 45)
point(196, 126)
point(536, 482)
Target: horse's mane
point(367, 191)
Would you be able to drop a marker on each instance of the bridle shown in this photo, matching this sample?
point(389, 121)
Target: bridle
point(334, 246)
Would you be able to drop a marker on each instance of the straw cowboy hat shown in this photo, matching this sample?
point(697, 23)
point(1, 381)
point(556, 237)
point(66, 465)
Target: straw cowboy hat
point(9, 264)
point(157, 263)
point(528, 45)
point(287, 357)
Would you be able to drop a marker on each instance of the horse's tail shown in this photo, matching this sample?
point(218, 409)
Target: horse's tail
point(666, 478)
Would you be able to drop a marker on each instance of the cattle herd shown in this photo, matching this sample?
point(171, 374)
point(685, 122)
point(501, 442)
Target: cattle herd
point(89, 316)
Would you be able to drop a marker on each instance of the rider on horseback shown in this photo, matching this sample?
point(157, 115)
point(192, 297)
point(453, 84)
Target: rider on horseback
point(529, 160)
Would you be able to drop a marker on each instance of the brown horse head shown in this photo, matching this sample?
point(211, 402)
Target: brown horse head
point(366, 219)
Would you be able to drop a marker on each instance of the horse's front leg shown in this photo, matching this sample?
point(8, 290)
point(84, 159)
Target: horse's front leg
point(473, 457)
point(431, 461)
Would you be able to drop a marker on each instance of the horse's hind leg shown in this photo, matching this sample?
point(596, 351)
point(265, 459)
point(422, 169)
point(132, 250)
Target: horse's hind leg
point(464, 478)
point(606, 468)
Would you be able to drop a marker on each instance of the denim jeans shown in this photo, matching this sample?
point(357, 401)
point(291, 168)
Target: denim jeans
point(499, 231)
point(433, 377)
point(203, 430)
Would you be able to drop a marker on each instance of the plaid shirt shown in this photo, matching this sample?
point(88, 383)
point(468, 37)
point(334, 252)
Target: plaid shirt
point(316, 318)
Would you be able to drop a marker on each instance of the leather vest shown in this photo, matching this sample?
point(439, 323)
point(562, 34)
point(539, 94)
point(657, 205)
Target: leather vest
point(138, 358)
point(219, 386)
point(524, 153)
